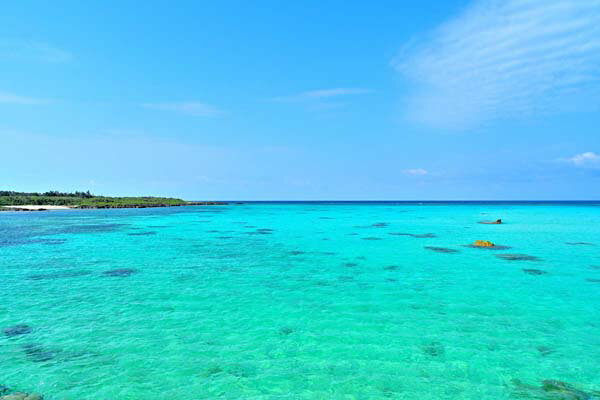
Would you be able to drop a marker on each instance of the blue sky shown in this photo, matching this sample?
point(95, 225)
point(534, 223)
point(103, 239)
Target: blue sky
point(302, 100)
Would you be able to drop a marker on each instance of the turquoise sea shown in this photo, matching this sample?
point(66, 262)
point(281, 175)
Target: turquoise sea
point(302, 301)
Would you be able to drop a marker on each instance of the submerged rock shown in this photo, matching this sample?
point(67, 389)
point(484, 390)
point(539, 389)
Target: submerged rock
point(58, 275)
point(120, 272)
point(433, 349)
point(142, 233)
point(210, 371)
point(593, 280)
point(418, 236)
point(297, 252)
point(391, 267)
point(286, 330)
point(17, 330)
point(544, 350)
point(553, 390)
point(38, 353)
point(517, 257)
point(579, 243)
point(565, 390)
point(22, 396)
point(441, 249)
point(380, 224)
point(371, 238)
point(534, 271)
point(260, 232)
point(91, 228)
point(235, 370)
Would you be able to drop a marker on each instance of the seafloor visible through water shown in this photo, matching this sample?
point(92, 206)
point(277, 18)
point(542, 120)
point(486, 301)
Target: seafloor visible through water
point(302, 301)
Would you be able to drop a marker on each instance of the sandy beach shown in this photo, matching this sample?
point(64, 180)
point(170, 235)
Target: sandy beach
point(36, 208)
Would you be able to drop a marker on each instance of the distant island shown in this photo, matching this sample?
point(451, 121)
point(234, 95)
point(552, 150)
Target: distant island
point(53, 200)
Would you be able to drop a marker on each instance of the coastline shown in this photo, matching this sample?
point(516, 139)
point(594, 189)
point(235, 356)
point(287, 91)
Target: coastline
point(42, 207)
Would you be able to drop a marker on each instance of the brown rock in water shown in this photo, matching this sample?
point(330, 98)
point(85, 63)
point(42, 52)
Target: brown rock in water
point(483, 243)
point(496, 222)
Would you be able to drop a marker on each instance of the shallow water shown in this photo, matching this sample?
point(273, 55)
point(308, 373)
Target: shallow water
point(299, 301)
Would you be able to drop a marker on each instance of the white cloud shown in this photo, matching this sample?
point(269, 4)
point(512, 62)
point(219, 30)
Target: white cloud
point(323, 94)
point(415, 171)
point(334, 92)
point(32, 51)
point(505, 58)
point(9, 98)
point(588, 158)
point(192, 108)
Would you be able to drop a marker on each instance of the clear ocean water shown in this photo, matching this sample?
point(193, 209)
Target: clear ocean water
point(301, 301)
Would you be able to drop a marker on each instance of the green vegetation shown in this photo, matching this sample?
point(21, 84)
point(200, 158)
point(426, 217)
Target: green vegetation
point(88, 200)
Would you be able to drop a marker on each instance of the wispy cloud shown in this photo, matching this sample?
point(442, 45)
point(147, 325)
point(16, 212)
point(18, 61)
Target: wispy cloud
point(323, 94)
point(9, 98)
point(192, 108)
point(587, 159)
point(415, 172)
point(33, 51)
point(502, 59)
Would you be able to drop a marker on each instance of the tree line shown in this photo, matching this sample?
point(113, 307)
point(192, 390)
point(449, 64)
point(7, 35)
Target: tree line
point(51, 193)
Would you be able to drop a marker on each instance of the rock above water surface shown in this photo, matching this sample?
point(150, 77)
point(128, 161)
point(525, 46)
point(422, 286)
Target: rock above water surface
point(483, 243)
point(494, 247)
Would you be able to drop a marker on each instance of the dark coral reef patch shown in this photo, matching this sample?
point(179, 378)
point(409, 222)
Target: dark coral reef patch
point(517, 257)
point(534, 271)
point(441, 249)
point(121, 272)
point(17, 330)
